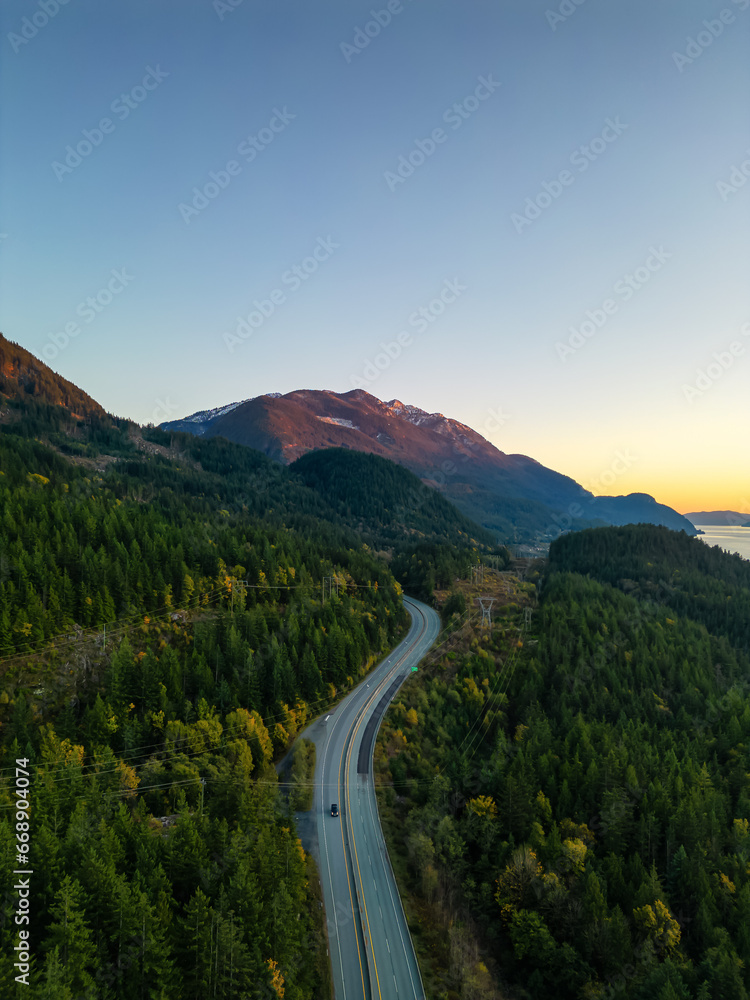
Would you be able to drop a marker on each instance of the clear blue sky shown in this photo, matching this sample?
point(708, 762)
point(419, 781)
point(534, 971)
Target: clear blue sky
point(317, 129)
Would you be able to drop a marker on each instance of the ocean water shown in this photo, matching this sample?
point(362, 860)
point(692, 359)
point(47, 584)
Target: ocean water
point(733, 539)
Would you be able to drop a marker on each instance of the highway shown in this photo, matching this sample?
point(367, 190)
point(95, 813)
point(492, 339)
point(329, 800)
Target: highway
point(371, 952)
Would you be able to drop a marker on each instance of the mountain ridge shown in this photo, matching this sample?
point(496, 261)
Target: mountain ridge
point(719, 518)
point(21, 373)
point(54, 432)
point(503, 492)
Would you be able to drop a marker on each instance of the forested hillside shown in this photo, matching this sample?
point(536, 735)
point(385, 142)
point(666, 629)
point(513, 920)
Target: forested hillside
point(652, 563)
point(167, 864)
point(580, 805)
point(387, 498)
point(105, 520)
point(433, 541)
point(172, 612)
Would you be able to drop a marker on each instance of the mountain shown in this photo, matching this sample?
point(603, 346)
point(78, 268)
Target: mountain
point(723, 518)
point(21, 374)
point(52, 431)
point(504, 493)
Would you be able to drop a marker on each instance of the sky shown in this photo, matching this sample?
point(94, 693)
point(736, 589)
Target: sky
point(531, 216)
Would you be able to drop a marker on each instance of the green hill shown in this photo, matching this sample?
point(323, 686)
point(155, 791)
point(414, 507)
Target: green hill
point(652, 563)
point(384, 499)
point(571, 806)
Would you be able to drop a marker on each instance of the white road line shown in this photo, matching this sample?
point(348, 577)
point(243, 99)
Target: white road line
point(328, 859)
point(376, 827)
point(386, 674)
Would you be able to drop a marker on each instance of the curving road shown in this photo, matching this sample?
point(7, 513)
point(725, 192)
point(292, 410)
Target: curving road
point(372, 956)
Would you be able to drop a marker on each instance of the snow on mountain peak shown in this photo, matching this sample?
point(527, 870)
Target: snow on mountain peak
point(203, 416)
point(414, 414)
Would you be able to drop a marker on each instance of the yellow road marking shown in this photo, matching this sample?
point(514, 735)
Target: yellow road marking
point(346, 867)
point(378, 691)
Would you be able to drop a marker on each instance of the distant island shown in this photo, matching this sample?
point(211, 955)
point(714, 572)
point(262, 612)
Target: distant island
point(719, 518)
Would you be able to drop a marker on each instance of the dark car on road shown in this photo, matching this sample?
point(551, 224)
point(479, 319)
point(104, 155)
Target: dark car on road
point(334, 809)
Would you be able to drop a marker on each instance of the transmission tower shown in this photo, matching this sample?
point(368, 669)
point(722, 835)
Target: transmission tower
point(240, 584)
point(485, 603)
point(331, 582)
point(477, 573)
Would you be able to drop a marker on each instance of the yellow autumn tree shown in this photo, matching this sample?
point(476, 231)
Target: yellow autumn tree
point(658, 925)
point(249, 726)
point(279, 737)
point(482, 806)
point(277, 979)
point(59, 752)
point(574, 855)
point(128, 779)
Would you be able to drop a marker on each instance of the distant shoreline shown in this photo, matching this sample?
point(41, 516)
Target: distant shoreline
point(732, 539)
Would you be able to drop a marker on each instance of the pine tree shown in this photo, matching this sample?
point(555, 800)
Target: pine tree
point(71, 935)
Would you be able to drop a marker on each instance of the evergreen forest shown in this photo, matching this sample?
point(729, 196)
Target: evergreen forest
point(574, 793)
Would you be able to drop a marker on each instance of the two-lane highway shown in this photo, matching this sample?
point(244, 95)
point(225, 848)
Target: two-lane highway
point(371, 951)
